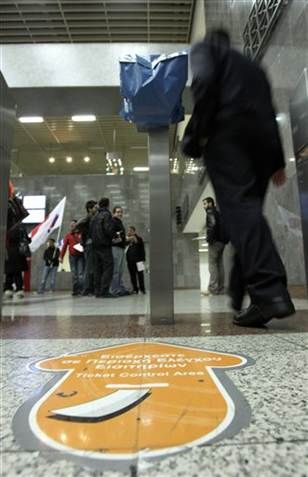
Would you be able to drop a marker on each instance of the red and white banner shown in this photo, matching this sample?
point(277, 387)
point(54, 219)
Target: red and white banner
point(41, 232)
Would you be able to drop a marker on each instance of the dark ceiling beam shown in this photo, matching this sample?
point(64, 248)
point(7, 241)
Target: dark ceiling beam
point(68, 101)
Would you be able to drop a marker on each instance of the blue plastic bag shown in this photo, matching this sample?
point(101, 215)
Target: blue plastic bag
point(152, 88)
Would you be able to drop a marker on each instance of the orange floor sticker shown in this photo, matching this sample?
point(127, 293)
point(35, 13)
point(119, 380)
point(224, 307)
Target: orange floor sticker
point(146, 397)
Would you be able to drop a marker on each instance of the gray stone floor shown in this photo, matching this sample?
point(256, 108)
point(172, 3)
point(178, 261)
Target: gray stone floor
point(61, 304)
point(274, 443)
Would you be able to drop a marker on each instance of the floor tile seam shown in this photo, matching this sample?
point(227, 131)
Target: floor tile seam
point(290, 340)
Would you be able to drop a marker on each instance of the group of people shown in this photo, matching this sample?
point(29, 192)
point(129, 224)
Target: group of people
point(97, 245)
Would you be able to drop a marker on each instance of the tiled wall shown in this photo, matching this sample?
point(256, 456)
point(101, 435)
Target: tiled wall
point(130, 191)
point(284, 60)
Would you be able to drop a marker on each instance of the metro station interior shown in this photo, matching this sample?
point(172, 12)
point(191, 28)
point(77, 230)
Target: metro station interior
point(136, 382)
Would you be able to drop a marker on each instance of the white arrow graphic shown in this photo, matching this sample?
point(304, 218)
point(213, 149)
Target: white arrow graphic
point(103, 407)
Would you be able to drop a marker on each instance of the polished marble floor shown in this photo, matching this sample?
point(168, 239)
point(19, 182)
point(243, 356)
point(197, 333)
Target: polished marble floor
point(272, 442)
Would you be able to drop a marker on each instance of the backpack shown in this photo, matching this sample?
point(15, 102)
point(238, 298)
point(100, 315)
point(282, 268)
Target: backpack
point(102, 229)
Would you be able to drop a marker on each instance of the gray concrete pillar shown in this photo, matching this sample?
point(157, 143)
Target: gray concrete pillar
point(161, 257)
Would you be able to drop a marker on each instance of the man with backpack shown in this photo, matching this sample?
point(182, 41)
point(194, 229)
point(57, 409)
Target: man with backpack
point(102, 230)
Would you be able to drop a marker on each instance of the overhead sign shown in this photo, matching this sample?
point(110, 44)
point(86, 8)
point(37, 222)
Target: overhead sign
point(107, 406)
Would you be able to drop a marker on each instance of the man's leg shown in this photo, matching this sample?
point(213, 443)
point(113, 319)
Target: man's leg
point(213, 269)
point(86, 276)
point(121, 272)
point(74, 270)
point(8, 286)
point(42, 287)
point(240, 183)
point(90, 270)
point(132, 268)
point(97, 272)
point(115, 282)
point(53, 276)
point(141, 280)
point(18, 281)
point(80, 267)
point(9, 280)
point(107, 261)
point(236, 284)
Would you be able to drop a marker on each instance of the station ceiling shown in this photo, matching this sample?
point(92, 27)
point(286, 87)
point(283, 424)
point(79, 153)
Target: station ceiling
point(76, 21)
point(88, 21)
point(59, 137)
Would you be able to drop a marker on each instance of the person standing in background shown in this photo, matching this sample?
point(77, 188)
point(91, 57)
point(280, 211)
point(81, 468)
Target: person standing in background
point(51, 259)
point(102, 229)
point(118, 251)
point(216, 243)
point(83, 225)
point(76, 258)
point(135, 256)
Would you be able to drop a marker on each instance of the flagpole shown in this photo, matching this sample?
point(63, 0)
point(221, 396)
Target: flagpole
point(60, 228)
point(59, 232)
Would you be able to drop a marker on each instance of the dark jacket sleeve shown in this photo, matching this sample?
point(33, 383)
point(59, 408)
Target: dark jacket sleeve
point(204, 90)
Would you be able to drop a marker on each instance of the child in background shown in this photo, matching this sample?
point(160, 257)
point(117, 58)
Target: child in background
point(51, 258)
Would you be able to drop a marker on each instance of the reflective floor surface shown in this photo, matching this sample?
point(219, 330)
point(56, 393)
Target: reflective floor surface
point(90, 388)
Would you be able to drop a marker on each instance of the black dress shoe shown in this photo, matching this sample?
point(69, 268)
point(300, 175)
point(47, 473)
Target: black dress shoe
point(256, 316)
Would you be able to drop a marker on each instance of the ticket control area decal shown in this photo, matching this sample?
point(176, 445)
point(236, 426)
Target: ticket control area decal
point(107, 407)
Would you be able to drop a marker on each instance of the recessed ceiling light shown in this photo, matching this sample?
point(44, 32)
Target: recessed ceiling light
point(140, 169)
point(69, 159)
point(86, 159)
point(79, 118)
point(31, 119)
point(51, 160)
point(292, 159)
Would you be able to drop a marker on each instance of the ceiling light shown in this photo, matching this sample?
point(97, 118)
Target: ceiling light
point(79, 118)
point(51, 160)
point(292, 159)
point(140, 169)
point(86, 159)
point(31, 119)
point(69, 159)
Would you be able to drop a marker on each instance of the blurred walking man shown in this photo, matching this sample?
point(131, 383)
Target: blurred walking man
point(233, 126)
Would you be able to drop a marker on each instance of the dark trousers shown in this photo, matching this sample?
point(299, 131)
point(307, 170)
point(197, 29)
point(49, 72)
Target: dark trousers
point(88, 279)
point(11, 278)
point(240, 175)
point(133, 271)
point(103, 270)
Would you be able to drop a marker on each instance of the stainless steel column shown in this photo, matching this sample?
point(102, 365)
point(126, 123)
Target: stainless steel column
point(7, 114)
point(161, 258)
